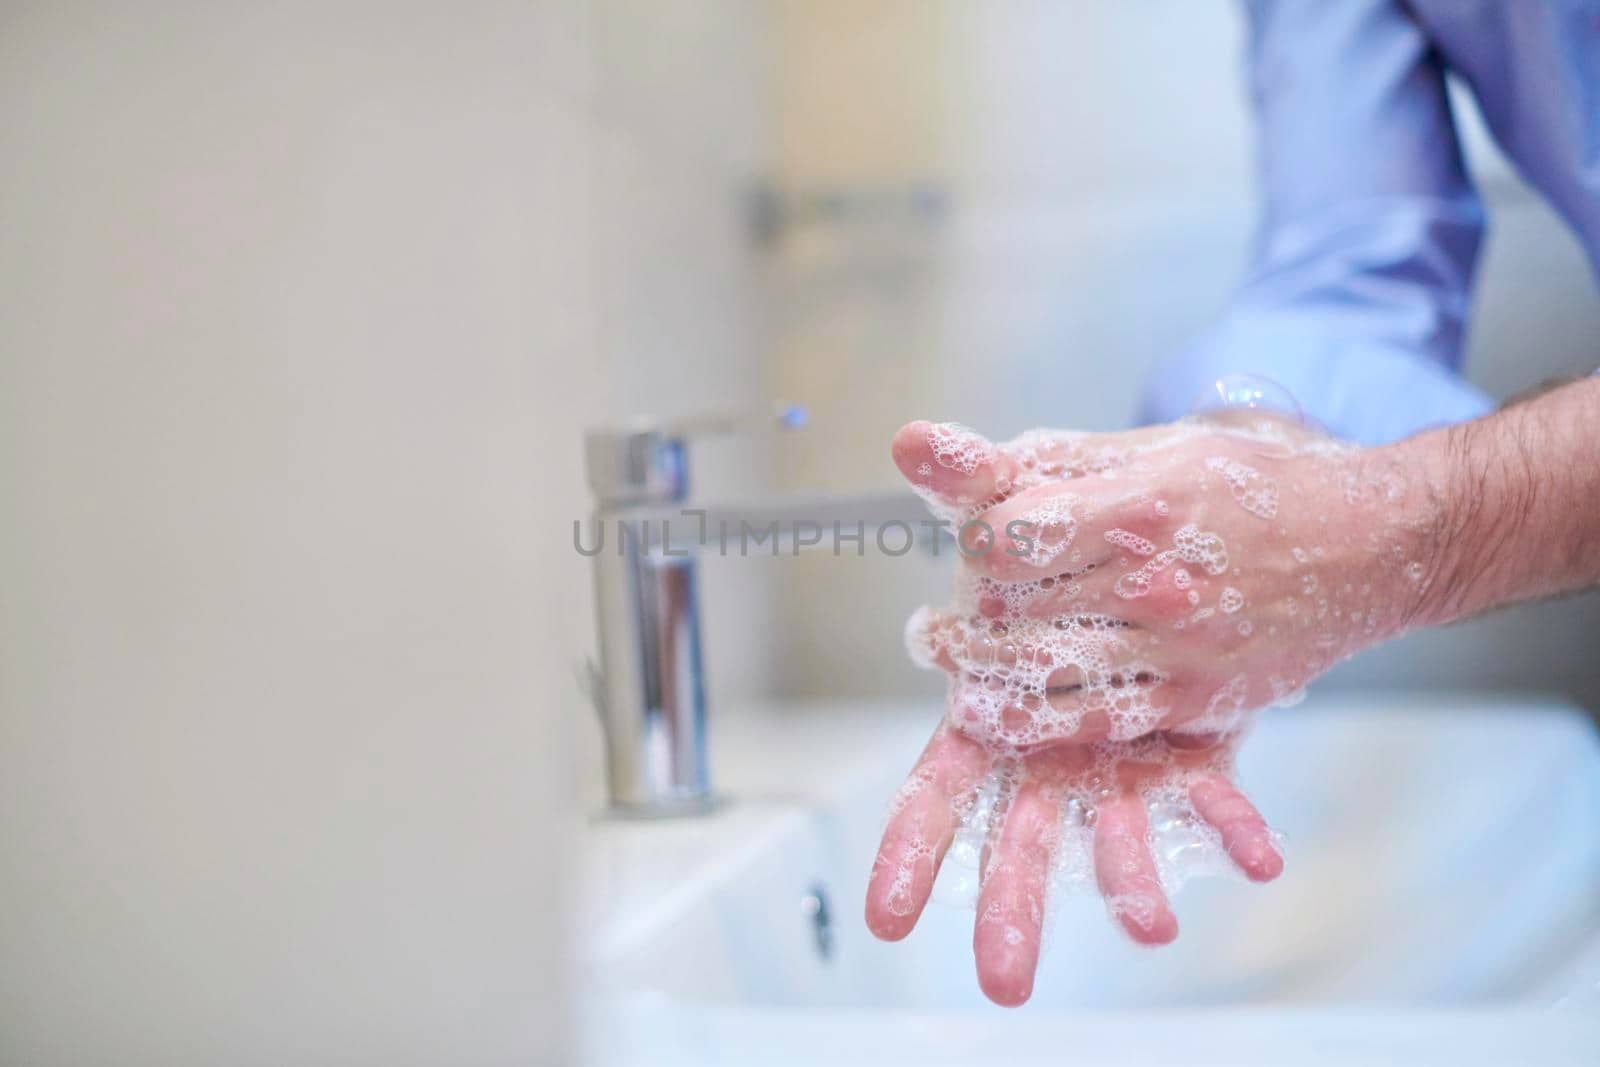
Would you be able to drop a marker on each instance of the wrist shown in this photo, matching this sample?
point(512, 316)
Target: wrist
point(1474, 500)
point(1418, 551)
point(1487, 512)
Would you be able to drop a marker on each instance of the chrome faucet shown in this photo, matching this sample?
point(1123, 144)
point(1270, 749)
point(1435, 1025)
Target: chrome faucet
point(650, 686)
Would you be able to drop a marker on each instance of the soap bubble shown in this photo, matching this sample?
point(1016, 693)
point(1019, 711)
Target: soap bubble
point(1247, 392)
point(1253, 403)
point(1029, 662)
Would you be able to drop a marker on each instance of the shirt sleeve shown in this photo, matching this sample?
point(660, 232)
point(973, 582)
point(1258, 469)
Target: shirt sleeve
point(1356, 297)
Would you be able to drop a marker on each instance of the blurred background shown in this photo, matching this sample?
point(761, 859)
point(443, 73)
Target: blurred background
point(304, 309)
point(1035, 201)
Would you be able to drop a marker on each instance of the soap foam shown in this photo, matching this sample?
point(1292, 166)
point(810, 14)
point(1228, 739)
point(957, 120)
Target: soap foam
point(957, 448)
point(1182, 844)
point(1018, 683)
point(1254, 491)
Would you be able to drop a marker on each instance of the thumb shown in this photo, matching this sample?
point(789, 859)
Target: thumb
point(952, 465)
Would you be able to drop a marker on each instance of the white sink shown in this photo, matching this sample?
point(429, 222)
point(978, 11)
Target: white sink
point(1441, 904)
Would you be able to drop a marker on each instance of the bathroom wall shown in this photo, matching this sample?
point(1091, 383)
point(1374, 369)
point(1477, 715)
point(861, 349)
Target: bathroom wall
point(1046, 197)
point(661, 296)
point(303, 310)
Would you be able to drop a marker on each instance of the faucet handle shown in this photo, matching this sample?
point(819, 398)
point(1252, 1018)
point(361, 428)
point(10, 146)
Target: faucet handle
point(645, 461)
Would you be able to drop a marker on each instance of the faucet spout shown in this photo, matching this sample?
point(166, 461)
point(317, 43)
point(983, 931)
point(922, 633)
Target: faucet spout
point(890, 523)
point(650, 687)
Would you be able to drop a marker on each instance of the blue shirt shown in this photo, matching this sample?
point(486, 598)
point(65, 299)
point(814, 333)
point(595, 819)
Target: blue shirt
point(1357, 294)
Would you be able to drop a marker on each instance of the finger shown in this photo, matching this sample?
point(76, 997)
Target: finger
point(1149, 587)
point(1113, 685)
point(954, 465)
point(1059, 454)
point(932, 636)
point(923, 822)
point(1076, 590)
point(957, 643)
point(1126, 871)
point(1193, 742)
point(1129, 576)
point(1154, 592)
point(1124, 703)
point(1010, 920)
point(1080, 679)
point(1212, 713)
point(1061, 528)
point(1028, 720)
point(1245, 835)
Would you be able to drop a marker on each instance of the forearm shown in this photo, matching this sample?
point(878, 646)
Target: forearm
point(1515, 502)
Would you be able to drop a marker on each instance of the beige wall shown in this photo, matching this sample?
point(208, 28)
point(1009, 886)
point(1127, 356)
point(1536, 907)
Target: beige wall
point(303, 308)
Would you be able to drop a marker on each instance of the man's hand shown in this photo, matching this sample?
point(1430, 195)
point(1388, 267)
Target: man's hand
point(1162, 579)
point(1086, 663)
point(1126, 600)
point(1089, 800)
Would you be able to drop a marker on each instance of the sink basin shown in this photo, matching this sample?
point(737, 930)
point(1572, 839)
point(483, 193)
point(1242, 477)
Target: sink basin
point(1441, 904)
